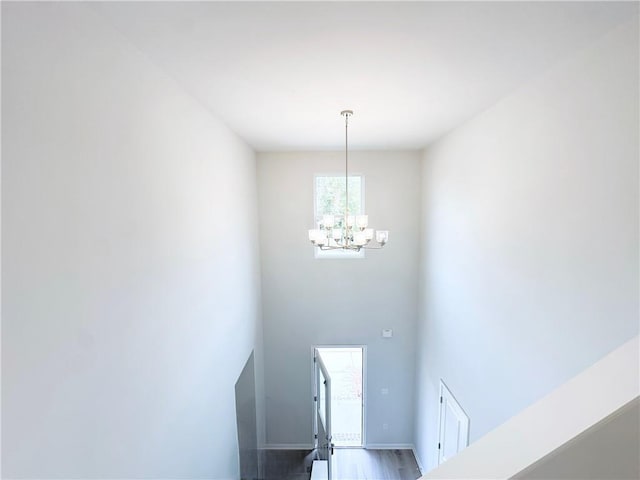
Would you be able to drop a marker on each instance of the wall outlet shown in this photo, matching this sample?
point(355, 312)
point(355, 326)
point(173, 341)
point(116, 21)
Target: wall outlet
point(384, 391)
point(385, 426)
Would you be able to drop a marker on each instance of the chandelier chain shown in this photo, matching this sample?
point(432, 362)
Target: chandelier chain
point(346, 168)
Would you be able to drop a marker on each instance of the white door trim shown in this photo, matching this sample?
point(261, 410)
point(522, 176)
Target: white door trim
point(364, 384)
point(447, 398)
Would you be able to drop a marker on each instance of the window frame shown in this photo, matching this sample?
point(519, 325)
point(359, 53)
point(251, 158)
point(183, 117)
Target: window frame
point(337, 254)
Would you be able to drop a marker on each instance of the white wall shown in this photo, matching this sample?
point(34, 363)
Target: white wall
point(309, 301)
point(129, 310)
point(530, 240)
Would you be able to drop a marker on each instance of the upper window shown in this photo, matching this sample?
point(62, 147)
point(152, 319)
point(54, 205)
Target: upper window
point(329, 197)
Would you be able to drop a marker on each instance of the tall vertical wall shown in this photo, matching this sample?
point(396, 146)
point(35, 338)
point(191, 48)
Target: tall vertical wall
point(130, 268)
point(309, 301)
point(530, 239)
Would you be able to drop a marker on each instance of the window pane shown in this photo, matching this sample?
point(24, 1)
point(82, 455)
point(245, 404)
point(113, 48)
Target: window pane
point(330, 196)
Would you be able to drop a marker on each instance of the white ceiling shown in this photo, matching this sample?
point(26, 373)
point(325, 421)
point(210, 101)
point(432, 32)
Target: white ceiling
point(278, 74)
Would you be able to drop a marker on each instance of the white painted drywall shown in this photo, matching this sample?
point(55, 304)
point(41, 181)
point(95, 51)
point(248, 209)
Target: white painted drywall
point(277, 71)
point(530, 240)
point(309, 301)
point(130, 260)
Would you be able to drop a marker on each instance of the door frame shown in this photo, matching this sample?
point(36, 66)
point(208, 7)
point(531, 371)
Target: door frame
point(364, 389)
point(444, 392)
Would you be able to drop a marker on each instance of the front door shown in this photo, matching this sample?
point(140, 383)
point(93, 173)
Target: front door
point(322, 401)
point(345, 365)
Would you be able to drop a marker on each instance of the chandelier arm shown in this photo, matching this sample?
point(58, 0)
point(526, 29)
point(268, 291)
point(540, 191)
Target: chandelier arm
point(350, 247)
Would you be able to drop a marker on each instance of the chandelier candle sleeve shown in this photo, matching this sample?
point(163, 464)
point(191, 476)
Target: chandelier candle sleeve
point(328, 221)
point(382, 236)
point(346, 232)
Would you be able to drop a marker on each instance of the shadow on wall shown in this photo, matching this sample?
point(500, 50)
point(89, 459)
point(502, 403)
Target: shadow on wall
point(246, 422)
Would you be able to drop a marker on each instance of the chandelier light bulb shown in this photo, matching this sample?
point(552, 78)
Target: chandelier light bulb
point(382, 236)
point(328, 221)
point(359, 239)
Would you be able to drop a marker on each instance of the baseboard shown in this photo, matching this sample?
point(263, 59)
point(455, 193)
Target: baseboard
point(288, 446)
point(389, 446)
point(415, 454)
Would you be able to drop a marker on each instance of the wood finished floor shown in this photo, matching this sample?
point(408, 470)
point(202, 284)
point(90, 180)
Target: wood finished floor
point(348, 464)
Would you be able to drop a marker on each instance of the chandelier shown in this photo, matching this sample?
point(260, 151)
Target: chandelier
point(346, 232)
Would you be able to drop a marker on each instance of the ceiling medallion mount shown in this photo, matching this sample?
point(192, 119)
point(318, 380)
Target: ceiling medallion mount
point(346, 232)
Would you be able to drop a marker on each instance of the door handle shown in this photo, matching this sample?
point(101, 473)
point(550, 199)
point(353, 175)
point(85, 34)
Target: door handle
point(332, 445)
